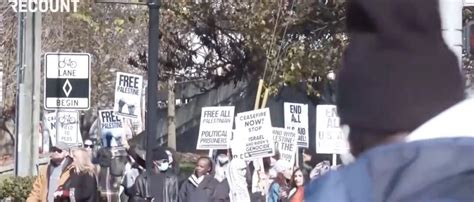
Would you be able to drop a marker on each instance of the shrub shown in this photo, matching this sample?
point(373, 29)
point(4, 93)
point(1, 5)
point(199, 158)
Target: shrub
point(16, 188)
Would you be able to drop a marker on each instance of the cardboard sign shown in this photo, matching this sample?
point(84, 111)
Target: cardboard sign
point(329, 136)
point(128, 94)
point(286, 144)
point(254, 134)
point(64, 126)
point(216, 126)
point(111, 124)
point(296, 118)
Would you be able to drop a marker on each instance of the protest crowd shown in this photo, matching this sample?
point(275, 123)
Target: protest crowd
point(397, 133)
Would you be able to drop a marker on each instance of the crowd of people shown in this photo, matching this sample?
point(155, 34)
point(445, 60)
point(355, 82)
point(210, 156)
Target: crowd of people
point(89, 175)
point(402, 105)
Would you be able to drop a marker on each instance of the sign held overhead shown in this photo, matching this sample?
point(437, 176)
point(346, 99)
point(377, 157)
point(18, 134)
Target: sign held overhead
point(254, 134)
point(296, 118)
point(215, 128)
point(128, 94)
point(329, 136)
point(67, 85)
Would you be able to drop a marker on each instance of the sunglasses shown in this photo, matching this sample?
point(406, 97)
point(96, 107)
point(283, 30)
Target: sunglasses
point(56, 150)
point(88, 146)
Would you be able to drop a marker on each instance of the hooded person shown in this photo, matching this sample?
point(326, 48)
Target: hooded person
point(160, 185)
point(237, 180)
point(400, 99)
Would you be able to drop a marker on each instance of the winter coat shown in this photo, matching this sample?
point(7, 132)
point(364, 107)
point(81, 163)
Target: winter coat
point(39, 192)
point(141, 190)
point(84, 185)
point(204, 192)
point(435, 164)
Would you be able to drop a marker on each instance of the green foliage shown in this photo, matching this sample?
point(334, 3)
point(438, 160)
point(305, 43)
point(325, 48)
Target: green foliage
point(16, 188)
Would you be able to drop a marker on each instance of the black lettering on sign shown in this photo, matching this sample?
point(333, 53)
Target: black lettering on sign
point(128, 81)
point(109, 116)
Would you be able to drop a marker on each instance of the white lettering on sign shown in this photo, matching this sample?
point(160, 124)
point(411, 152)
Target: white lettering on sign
point(128, 95)
point(296, 118)
point(253, 136)
point(43, 6)
point(215, 128)
point(286, 144)
point(329, 136)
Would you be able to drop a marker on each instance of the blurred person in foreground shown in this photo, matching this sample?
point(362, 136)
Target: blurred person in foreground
point(82, 186)
point(52, 176)
point(400, 99)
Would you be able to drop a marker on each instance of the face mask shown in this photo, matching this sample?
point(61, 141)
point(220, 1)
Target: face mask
point(163, 166)
point(223, 160)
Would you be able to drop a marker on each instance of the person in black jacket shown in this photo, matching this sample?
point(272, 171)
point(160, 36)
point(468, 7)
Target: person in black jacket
point(200, 186)
point(161, 185)
point(82, 185)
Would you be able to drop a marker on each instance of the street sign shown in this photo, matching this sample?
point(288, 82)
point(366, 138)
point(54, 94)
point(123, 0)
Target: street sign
point(67, 84)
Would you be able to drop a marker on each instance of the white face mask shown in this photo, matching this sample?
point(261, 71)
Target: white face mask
point(346, 158)
point(223, 159)
point(163, 166)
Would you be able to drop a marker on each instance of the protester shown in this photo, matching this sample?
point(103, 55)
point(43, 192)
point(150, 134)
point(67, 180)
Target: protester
point(54, 175)
point(161, 185)
point(237, 179)
point(201, 185)
point(320, 169)
point(400, 99)
point(89, 146)
point(298, 180)
point(222, 164)
point(82, 186)
point(280, 186)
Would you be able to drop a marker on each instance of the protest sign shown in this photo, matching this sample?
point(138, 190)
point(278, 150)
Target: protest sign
point(254, 131)
point(128, 94)
point(296, 118)
point(64, 126)
point(329, 136)
point(215, 128)
point(286, 144)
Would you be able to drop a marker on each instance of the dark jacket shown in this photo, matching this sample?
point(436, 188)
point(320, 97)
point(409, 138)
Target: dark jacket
point(85, 188)
point(429, 170)
point(204, 192)
point(221, 193)
point(141, 190)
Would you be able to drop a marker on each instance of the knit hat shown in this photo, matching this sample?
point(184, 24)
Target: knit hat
point(159, 153)
point(397, 72)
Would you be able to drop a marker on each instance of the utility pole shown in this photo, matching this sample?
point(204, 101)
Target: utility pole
point(171, 111)
point(451, 25)
point(29, 50)
point(152, 101)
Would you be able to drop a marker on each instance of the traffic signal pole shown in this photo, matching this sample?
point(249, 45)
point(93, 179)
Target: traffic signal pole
point(451, 25)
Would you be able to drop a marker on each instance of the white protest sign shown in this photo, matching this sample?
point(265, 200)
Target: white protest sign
point(128, 94)
point(215, 128)
point(329, 136)
point(254, 130)
point(296, 118)
point(64, 126)
point(286, 144)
